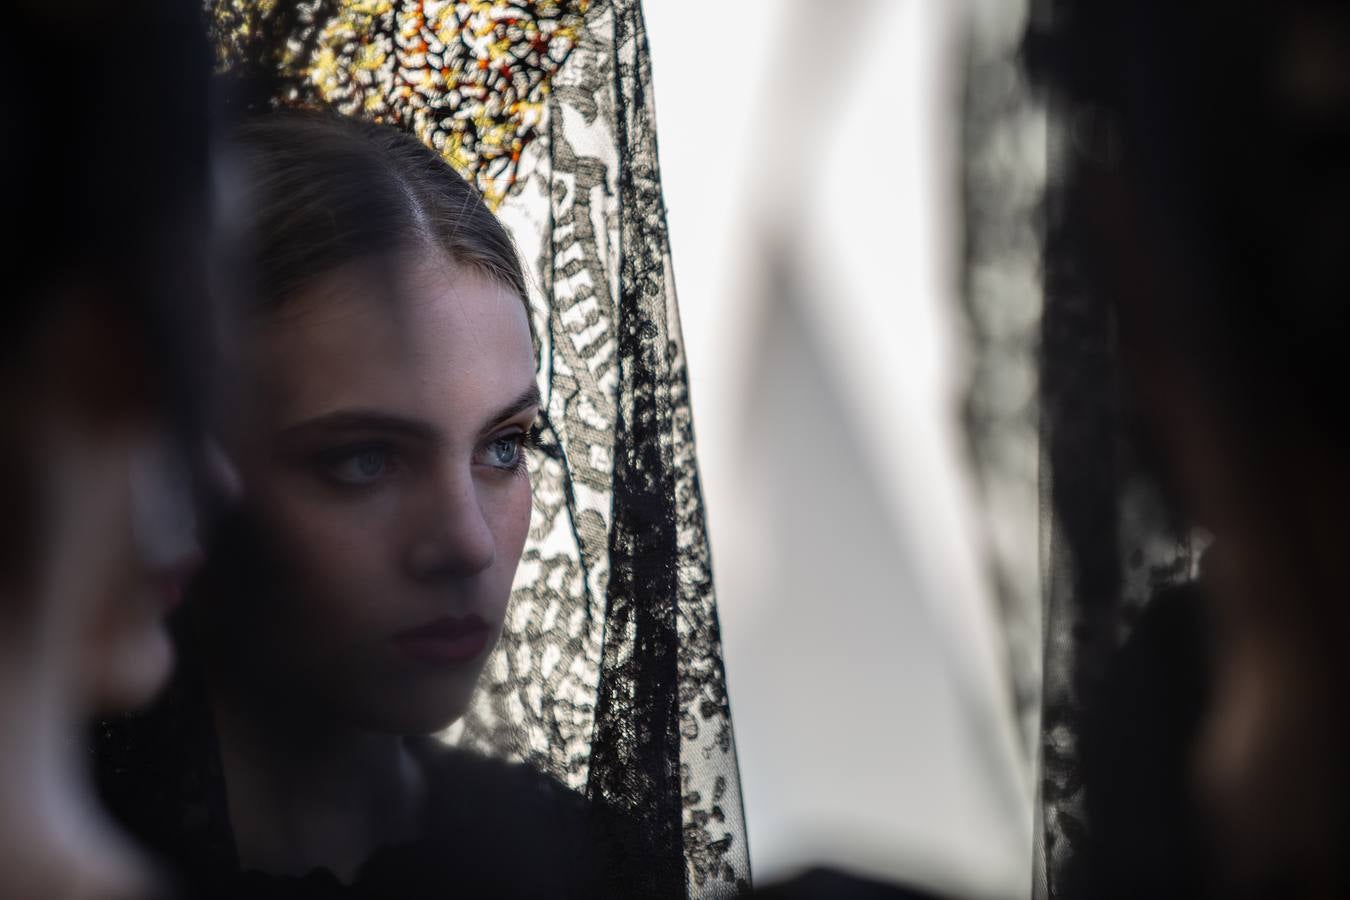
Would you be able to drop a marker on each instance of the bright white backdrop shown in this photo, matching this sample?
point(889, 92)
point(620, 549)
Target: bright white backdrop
point(809, 158)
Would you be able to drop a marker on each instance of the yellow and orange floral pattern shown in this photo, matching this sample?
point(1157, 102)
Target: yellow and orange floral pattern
point(469, 78)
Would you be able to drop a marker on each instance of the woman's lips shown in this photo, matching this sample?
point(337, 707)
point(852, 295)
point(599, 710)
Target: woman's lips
point(170, 583)
point(448, 640)
point(171, 593)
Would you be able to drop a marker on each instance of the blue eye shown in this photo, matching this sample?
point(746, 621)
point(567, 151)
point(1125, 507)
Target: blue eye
point(505, 452)
point(362, 466)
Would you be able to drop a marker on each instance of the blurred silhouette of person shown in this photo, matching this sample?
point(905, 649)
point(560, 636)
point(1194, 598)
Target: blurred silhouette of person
point(1205, 174)
point(107, 329)
point(386, 406)
point(1207, 178)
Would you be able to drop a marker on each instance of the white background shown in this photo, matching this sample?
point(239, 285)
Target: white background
point(809, 159)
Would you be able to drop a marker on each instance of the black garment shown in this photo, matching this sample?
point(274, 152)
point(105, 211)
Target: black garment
point(494, 829)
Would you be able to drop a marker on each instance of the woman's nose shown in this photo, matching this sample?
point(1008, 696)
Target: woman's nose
point(456, 539)
point(163, 506)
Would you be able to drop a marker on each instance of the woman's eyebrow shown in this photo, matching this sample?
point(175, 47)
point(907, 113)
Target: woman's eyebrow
point(525, 400)
point(362, 420)
point(372, 420)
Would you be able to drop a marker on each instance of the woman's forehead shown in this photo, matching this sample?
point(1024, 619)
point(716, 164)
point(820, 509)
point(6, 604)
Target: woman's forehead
point(433, 340)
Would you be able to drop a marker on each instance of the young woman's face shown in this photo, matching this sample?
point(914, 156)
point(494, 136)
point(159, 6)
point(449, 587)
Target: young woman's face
point(139, 543)
point(115, 513)
point(384, 466)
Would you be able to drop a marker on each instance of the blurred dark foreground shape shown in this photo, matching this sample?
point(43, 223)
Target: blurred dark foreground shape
point(1197, 267)
point(108, 332)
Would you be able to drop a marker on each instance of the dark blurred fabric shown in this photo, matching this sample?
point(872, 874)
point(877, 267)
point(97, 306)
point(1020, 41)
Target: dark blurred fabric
point(1138, 735)
point(1199, 172)
point(819, 884)
point(494, 829)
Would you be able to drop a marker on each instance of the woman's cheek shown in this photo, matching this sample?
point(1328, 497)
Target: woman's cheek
point(339, 559)
point(520, 506)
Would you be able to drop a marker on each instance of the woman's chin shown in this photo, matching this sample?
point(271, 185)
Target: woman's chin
point(129, 672)
point(417, 710)
point(417, 722)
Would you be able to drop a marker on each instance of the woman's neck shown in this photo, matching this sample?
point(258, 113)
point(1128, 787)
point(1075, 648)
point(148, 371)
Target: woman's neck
point(305, 793)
